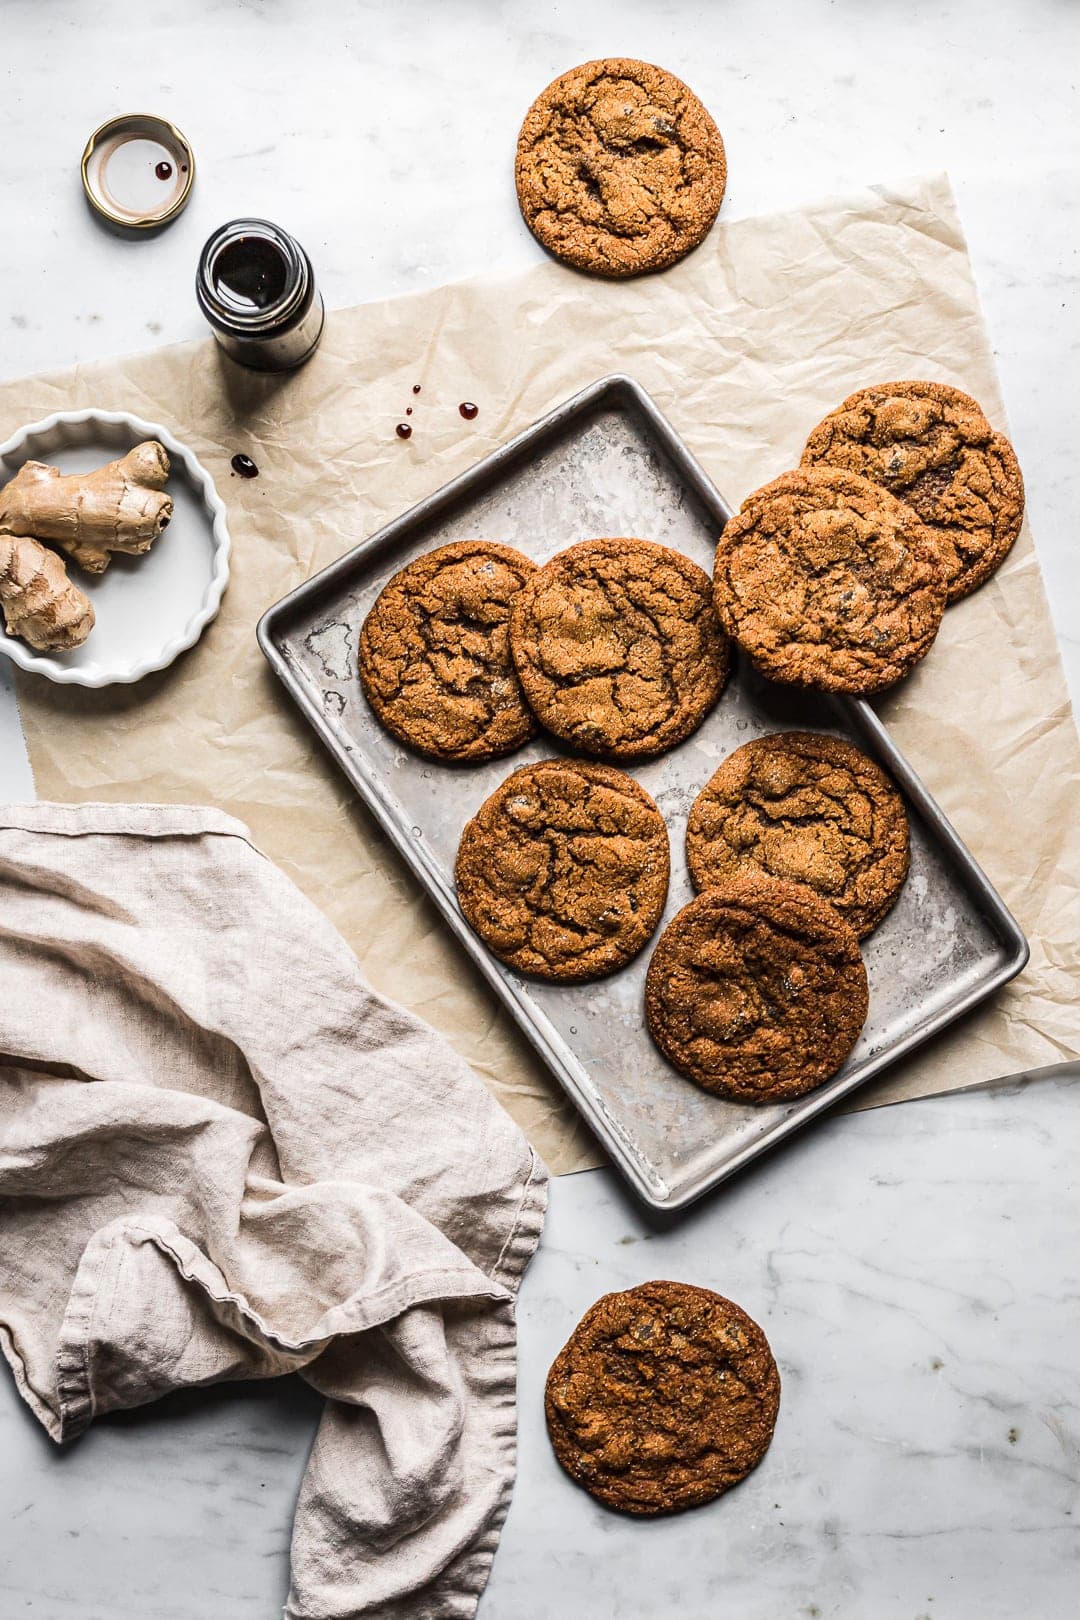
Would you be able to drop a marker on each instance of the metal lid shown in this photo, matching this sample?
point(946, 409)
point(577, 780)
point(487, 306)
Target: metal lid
point(137, 171)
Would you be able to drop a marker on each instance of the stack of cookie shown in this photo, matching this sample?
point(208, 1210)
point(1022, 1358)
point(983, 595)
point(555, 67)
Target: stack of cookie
point(798, 846)
point(836, 576)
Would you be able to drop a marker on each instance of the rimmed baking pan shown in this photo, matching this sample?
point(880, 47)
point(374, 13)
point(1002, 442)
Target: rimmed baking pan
point(607, 462)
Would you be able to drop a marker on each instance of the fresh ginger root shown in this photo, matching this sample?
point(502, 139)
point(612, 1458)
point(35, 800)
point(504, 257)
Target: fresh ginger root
point(40, 603)
point(120, 507)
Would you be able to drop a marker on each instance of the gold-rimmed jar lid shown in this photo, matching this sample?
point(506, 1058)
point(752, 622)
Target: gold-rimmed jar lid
point(137, 171)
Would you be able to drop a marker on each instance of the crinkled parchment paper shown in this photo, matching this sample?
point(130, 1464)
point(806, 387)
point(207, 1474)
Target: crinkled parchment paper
point(744, 346)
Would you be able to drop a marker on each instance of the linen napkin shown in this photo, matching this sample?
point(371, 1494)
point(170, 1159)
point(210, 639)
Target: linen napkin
point(223, 1156)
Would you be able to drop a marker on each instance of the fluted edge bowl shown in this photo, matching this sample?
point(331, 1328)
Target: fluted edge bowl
point(149, 609)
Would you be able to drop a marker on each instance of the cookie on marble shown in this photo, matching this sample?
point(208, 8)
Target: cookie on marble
point(828, 581)
point(563, 871)
point(619, 168)
point(664, 1396)
point(435, 659)
point(806, 808)
point(756, 990)
point(931, 445)
point(618, 647)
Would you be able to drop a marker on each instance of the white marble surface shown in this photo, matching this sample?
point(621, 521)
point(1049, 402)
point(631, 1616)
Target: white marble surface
point(916, 1267)
point(916, 1271)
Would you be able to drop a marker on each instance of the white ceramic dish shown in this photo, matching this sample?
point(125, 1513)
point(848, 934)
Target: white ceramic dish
point(149, 609)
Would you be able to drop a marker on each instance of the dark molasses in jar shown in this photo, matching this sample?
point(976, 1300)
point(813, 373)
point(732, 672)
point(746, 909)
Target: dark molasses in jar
point(256, 288)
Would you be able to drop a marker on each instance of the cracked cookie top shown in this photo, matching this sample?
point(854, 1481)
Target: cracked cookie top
point(931, 446)
point(828, 581)
point(563, 871)
point(663, 1397)
point(756, 990)
point(619, 168)
point(435, 658)
point(618, 647)
point(809, 809)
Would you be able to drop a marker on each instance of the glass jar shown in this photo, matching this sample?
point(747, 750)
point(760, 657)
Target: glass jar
point(256, 288)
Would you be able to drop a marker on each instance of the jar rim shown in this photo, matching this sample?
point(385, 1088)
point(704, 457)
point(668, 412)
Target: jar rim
point(272, 319)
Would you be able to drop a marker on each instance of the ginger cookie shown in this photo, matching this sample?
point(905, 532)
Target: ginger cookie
point(618, 647)
point(435, 658)
point(563, 871)
point(663, 1397)
point(808, 809)
point(829, 581)
point(619, 168)
point(931, 445)
point(756, 990)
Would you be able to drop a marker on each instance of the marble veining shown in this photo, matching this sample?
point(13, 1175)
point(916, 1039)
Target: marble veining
point(914, 1267)
point(927, 1457)
point(913, 1270)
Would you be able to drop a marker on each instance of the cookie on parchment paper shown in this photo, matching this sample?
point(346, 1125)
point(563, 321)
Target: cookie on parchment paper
point(932, 446)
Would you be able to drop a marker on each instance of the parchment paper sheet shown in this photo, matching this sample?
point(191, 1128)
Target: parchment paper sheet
point(744, 346)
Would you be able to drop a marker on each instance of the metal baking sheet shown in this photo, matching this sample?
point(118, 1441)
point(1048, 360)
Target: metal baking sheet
point(607, 462)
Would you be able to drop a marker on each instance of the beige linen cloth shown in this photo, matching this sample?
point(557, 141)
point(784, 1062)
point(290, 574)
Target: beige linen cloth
point(223, 1156)
point(744, 345)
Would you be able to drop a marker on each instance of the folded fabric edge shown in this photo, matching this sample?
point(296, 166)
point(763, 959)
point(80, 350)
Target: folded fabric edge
point(524, 1234)
point(40, 1407)
point(140, 820)
point(467, 1577)
point(74, 1373)
point(456, 1593)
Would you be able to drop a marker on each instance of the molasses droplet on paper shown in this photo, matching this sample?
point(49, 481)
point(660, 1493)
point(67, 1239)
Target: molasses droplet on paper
point(244, 466)
point(468, 409)
point(403, 430)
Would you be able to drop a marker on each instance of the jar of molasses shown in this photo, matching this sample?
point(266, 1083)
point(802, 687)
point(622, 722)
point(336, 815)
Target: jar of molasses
point(256, 288)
